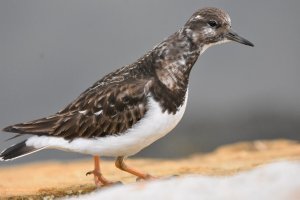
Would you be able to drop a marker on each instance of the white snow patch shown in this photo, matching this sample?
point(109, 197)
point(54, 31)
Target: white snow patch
point(276, 181)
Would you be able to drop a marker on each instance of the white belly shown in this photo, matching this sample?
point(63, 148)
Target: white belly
point(153, 126)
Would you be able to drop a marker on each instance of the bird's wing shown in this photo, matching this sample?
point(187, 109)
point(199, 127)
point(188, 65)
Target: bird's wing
point(99, 111)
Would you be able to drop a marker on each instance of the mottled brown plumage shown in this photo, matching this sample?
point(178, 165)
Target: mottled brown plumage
point(132, 107)
point(119, 100)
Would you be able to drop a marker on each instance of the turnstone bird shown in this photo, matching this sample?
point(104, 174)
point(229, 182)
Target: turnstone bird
point(134, 106)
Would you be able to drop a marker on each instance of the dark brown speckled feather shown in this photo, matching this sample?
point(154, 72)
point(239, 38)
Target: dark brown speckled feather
point(120, 99)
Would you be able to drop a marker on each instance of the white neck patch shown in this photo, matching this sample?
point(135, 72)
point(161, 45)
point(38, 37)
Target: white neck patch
point(206, 46)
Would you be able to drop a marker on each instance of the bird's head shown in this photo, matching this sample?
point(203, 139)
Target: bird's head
point(210, 26)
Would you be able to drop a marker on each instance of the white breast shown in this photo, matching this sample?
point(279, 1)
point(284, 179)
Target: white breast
point(150, 128)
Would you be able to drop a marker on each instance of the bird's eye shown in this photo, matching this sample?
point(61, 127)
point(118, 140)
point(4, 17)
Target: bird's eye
point(212, 23)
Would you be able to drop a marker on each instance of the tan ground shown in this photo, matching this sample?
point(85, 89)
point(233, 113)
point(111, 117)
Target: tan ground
point(56, 179)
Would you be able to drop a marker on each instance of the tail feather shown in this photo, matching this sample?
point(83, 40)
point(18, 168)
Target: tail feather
point(13, 137)
point(17, 150)
point(42, 126)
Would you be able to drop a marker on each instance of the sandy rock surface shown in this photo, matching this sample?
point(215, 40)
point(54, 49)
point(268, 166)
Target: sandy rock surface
point(57, 179)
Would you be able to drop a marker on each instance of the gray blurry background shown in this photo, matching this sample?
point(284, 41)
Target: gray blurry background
point(50, 51)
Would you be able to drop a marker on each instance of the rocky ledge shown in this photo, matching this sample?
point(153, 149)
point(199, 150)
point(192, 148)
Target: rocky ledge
point(48, 180)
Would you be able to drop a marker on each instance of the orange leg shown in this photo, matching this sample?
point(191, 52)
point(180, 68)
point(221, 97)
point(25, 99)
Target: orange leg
point(122, 166)
point(98, 177)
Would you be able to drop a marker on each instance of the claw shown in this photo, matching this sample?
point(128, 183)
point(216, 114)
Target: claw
point(100, 181)
point(89, 173)
point(146, 177)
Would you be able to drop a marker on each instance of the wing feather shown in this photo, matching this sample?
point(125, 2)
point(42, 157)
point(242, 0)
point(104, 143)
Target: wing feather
point(98, 112)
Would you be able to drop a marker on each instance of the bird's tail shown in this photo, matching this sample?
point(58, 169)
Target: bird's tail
point(17, 151)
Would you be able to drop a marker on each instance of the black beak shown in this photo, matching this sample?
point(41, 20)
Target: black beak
point(230, 35)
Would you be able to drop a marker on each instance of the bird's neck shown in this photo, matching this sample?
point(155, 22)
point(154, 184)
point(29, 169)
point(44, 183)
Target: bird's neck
point(175, 58)
point(171, 62)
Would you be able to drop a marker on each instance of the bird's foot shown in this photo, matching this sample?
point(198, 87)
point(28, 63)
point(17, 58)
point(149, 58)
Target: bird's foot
point(100, 181)
point(146, 177)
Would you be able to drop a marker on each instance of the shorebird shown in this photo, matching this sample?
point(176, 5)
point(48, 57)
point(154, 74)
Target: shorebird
point(134, 106)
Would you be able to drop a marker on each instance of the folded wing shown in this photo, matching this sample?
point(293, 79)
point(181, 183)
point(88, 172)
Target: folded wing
point(98, 112)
